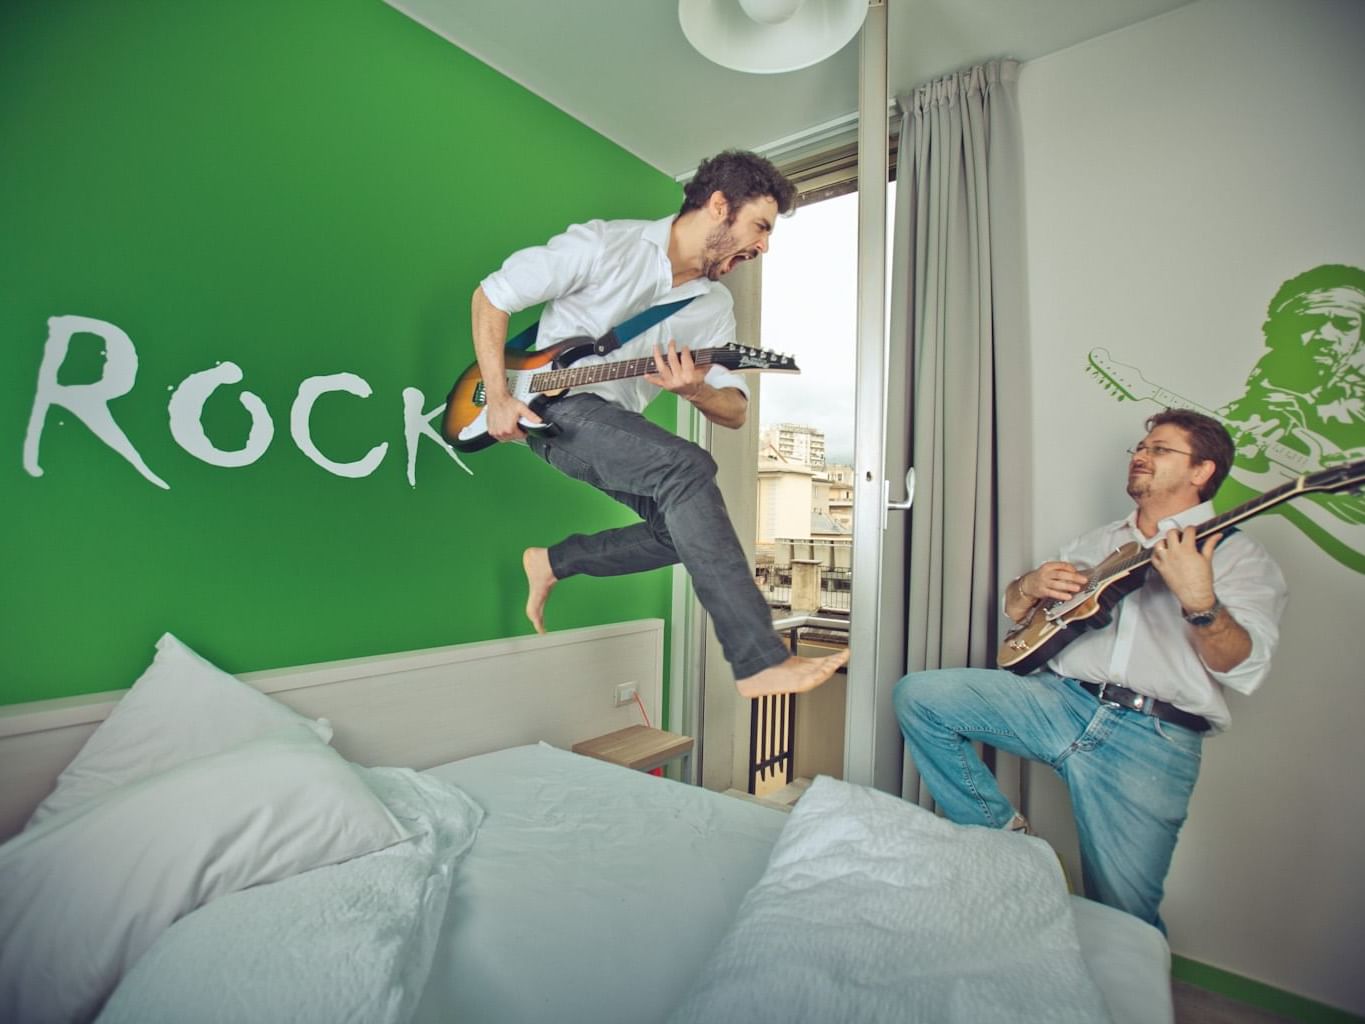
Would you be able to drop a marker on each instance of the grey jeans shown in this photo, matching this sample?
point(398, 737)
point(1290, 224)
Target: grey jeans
point(671, 484)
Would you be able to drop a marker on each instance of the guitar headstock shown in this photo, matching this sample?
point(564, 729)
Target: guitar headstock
point(1346, 477)
point(1121, 380)
point(734, 356)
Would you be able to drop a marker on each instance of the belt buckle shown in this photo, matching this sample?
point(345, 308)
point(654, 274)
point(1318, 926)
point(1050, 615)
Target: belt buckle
point(1138, 703)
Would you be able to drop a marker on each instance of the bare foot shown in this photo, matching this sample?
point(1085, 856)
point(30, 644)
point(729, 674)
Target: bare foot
point(795, 675)
point(540, 580)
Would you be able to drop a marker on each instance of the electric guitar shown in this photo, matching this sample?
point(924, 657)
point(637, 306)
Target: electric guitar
point(1054, 624)
point(535, 377)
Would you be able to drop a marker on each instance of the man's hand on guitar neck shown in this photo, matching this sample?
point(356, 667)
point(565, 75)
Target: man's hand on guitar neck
point(676, 371)
point(1186, 567)
point(1056, 581)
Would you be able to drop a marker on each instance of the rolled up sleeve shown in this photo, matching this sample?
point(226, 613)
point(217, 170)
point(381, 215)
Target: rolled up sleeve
point(540, 273)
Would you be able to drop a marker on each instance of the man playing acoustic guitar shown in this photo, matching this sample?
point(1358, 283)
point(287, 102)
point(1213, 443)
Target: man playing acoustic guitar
point(591, 278)
point(1121, 712)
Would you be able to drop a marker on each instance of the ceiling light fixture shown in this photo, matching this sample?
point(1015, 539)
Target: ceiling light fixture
point(770, 36)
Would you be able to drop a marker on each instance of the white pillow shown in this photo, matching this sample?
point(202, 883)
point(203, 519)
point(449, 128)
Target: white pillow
point(86, 892)
point(182, 707)
point(875, 910)
point(350, 942)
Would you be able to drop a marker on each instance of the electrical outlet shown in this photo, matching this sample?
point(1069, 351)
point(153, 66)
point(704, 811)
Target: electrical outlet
point(625, 693)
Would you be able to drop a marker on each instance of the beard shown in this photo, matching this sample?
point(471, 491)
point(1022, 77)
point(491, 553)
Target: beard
point(1139, 484)
point(717, 252)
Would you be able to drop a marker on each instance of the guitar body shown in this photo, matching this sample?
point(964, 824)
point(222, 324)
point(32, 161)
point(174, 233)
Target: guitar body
point(465, 425)
point(1054, 624)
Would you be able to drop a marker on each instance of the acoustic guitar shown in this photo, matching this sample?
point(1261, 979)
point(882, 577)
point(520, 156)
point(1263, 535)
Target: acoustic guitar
point(535, 377)
point(1054, 624)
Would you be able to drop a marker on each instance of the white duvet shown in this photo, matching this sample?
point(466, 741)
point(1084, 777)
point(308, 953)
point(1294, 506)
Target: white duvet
point(872, 909)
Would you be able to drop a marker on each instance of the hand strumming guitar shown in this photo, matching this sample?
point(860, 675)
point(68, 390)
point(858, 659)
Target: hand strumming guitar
point(1054, 581)
point(505, 413)
point(505, 410)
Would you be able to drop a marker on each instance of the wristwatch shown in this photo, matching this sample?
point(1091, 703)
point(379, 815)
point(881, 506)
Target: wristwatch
point(1205, 617)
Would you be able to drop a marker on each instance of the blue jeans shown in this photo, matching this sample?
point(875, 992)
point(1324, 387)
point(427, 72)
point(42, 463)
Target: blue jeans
point(671, 484)
point(1130, 775)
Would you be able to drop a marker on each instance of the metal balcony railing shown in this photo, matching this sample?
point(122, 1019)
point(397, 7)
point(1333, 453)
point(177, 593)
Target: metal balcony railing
point(836, 587)
point(772, 720)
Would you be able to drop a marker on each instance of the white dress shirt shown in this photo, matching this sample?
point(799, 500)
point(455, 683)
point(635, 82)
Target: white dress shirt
point(1148, 647)
point(595, 276)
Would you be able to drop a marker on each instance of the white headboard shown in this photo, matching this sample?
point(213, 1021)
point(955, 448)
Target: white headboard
point(413, 709)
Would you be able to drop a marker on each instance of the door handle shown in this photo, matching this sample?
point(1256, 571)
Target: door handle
point(899, 506)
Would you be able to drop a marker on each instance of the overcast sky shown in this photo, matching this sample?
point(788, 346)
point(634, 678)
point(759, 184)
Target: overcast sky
point(810, 312)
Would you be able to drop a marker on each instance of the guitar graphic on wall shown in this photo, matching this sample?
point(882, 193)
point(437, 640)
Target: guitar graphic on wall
point(1266, 457)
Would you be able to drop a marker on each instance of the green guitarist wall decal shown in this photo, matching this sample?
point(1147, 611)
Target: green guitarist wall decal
point(1302, 407)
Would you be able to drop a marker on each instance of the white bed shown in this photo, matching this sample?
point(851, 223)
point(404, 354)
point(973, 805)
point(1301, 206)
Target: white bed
point(614, 887)
point(541, 886)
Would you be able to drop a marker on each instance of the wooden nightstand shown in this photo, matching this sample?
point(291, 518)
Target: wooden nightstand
point(636, 746)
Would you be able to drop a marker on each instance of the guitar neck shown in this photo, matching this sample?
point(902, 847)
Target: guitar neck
point(596, 373)
point(1211, 526)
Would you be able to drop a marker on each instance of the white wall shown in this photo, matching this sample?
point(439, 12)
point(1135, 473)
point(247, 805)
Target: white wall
point(1178, 172)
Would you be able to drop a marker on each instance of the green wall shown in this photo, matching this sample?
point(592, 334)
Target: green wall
point(300, 187)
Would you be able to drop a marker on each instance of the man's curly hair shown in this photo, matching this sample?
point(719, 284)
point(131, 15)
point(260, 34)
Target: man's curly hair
point(740, 176)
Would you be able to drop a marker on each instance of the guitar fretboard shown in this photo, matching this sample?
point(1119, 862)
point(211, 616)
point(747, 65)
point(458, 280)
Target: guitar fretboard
point(1204, 529)
point(596, 373)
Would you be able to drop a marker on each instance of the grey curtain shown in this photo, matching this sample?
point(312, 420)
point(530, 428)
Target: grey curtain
point(958, 307)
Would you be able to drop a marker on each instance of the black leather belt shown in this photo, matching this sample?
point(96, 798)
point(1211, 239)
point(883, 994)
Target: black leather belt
point(1121, 696)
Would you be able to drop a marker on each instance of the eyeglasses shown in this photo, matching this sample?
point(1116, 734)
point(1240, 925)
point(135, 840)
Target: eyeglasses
point(1157, 450)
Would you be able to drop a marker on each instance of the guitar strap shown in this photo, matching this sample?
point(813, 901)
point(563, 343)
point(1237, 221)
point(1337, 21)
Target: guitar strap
point(638, 324)
point(525, 339)
point(618, 335)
